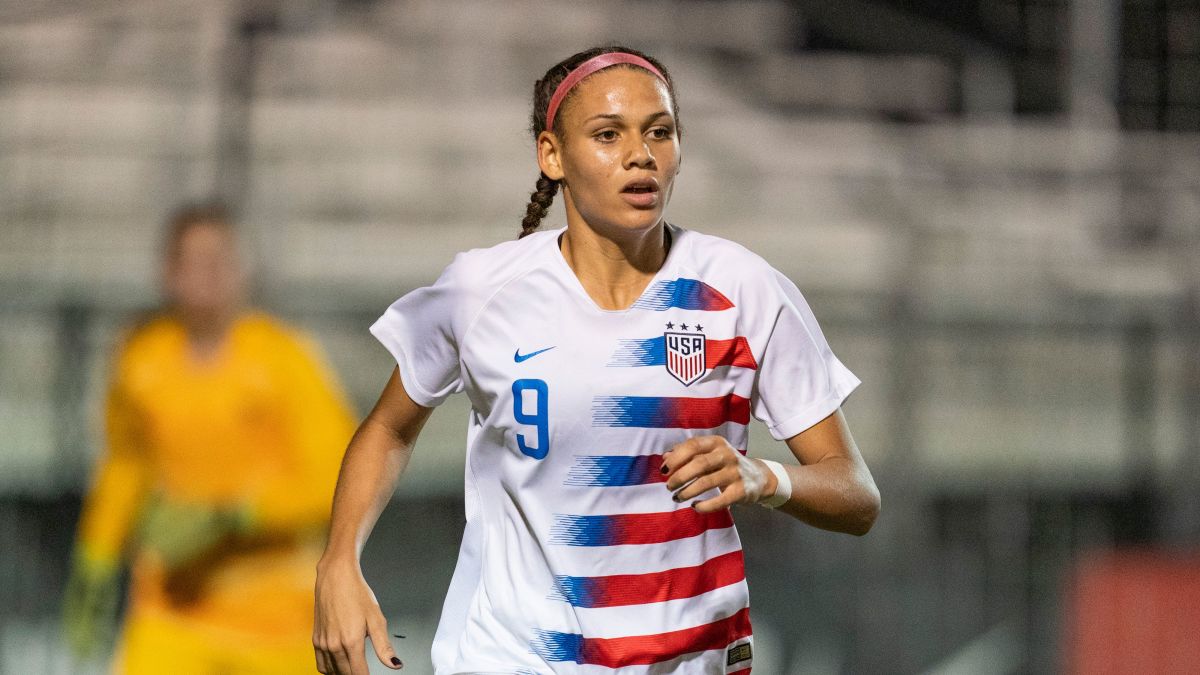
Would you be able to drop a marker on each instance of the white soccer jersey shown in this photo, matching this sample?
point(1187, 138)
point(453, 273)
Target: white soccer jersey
point(575, 559)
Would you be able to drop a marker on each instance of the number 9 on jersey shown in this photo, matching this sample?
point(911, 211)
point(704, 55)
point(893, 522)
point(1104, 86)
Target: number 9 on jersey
point(539, 419)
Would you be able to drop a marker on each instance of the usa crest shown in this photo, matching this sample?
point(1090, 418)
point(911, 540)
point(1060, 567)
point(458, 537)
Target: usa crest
point(685, 356)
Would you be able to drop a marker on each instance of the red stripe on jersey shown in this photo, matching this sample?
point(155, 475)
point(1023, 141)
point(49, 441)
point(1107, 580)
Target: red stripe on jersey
point(734, 352)
point(707, 413)
point(656, 528)
point(658, 412)
point(638, 589)
point(647, 649)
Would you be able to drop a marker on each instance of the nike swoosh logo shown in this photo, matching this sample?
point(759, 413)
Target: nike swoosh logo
point(518, 357)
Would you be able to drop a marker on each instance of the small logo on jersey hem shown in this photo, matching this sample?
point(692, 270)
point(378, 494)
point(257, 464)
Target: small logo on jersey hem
point(519, 357)
point(685, 355)
point(737, 654)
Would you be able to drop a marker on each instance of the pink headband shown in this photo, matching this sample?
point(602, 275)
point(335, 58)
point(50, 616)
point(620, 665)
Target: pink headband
point(587, 68)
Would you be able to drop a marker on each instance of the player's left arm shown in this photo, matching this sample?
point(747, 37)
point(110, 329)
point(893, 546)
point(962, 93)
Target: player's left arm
point(831, 487)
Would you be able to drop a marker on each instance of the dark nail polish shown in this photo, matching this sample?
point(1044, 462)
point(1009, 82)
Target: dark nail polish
point(396, 662)
point(664, 470)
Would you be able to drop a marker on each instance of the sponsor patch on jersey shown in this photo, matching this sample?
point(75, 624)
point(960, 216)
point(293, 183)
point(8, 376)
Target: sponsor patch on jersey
point(737, 654)
point(685, 356)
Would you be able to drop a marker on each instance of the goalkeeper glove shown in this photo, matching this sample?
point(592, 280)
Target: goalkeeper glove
point(90, 604)
point(181, 532)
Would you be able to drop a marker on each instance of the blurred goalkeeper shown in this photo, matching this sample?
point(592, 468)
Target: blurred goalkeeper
point(224, 431)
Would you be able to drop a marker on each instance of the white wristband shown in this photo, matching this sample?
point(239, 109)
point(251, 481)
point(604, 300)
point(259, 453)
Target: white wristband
point(783, 486)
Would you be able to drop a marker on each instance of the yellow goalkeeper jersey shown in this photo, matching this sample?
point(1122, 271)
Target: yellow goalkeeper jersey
point(263, 423)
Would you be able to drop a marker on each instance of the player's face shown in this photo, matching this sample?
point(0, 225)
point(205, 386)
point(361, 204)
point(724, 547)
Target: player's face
point(204, 275)
point(619, 151)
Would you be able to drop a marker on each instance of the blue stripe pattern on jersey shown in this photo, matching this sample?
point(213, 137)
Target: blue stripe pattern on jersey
point(682, 294)
point(555, 646)
point(614, 470)
point(649, 352)
point(578, 591)
point(632, 411)
point(571, 530)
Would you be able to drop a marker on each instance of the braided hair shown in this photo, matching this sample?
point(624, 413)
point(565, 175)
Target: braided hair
point(545, 189)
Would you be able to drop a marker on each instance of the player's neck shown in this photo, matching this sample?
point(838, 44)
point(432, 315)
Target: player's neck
point(614, 272)
point(206, 331)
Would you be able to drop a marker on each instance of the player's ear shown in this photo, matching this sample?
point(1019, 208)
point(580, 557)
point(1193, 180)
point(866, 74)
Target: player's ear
point(549, 155)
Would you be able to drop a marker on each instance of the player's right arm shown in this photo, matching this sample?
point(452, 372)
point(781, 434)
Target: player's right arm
point(346, 609)
point(110, 511)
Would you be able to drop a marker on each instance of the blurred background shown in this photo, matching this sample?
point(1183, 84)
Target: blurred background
point(993, 207)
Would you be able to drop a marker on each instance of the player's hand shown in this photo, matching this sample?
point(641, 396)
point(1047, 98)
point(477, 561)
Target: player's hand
point(90, 605)
point(700, 464)
point(182, 532)
point(346, 614)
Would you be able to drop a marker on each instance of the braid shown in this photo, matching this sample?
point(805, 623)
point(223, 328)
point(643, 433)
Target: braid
point(539, 203)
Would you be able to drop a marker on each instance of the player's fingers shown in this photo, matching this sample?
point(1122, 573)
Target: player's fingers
point(324, 652)
point(340, 660)
point(680, 453)
point(728, 497)
point(318, 643)
point(356, 656)
point(323, 662)
point(377, 630)
point(696, 466)
point(331, 658)
point(717, 479)
point(339, 654)
point(674, 457)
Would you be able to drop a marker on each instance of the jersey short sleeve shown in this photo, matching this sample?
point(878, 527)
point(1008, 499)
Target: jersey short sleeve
point(422, 331)
point(800, 380)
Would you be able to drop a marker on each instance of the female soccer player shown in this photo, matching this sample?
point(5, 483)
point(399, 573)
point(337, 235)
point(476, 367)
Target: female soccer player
point(223, 430)
point(612, 368)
